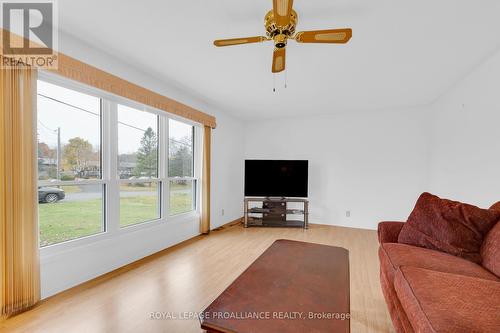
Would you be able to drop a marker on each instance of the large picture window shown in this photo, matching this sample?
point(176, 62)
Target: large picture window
point(106, 164)
point(70, 189)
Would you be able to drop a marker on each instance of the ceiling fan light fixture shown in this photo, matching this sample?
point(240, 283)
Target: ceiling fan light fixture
point(280, 41)
point(280, 23)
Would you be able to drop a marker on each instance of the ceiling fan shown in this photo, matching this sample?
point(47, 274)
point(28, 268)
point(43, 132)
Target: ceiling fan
point(280, 23)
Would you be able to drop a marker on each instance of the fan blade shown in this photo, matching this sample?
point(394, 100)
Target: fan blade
point(239, 41)
point(282, 9)
point(339, 36)
point(279, 58)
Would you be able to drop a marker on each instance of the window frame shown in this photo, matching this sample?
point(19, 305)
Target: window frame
point(195, 178)
point(160, 165)
point(103, 181)
point(109, 166)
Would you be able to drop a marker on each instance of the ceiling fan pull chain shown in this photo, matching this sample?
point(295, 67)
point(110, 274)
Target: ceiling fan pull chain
point(274, 83)
point(285, 78)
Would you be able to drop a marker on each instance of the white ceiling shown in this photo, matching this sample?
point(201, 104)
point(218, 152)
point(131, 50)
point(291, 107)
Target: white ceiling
point(402, 53)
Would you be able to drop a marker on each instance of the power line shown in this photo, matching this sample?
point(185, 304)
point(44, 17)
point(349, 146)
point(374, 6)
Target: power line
point(180, 142)
point(98, 115)
point(46, 127)
point(131, 126)
point(45, 132)
point(70, 105)
point(89, 112)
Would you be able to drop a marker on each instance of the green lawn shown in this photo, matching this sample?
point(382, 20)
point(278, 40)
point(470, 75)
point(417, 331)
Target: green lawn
point(67, 220)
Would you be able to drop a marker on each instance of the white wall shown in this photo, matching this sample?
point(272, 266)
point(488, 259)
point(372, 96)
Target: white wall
point(375, 165)
point(371, 164)
point(466, 138)
point(62, 269)
point(227, 171)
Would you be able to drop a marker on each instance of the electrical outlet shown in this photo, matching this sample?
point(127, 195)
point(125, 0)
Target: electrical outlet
point(222, 212)
point(347, 213)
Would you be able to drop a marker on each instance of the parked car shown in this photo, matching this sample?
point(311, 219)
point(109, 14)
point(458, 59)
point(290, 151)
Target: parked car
point(50, 194)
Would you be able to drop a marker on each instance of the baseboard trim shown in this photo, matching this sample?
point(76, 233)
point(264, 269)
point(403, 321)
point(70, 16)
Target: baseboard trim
point(229, 224)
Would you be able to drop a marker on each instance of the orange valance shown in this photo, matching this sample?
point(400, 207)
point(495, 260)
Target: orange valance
point(84, 73)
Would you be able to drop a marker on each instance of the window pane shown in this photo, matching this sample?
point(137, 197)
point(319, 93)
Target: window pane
point(139, 202)
point(69, 134)
point(180, 155)
point(137, 144)
point(182, 196)
point(69, 212)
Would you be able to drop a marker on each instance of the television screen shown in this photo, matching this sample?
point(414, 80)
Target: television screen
point(276, 178)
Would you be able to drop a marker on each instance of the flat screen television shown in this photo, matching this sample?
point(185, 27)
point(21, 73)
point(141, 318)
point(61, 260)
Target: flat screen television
point(276, 178)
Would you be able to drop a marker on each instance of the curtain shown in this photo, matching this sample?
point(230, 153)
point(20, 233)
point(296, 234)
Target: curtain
point(205, 181)
point(19, 256)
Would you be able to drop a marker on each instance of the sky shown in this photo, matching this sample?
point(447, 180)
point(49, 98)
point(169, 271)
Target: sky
point(81, 119)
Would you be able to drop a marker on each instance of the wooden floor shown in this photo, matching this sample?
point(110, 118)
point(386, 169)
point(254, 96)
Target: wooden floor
point(189, 276)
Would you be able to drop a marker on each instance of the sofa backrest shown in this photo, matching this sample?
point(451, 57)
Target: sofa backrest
point(490, 250)
point(496, 206)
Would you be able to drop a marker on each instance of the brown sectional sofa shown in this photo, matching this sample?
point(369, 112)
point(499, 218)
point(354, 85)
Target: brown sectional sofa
point(431, 291)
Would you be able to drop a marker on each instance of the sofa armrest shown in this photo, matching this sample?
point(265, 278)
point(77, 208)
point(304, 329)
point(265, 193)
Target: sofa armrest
point(388, 232)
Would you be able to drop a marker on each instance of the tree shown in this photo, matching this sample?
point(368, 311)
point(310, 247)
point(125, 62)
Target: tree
point(47, 161)
point(180, 162)
point(147, 155)
point(44, 151)
point(78, 154)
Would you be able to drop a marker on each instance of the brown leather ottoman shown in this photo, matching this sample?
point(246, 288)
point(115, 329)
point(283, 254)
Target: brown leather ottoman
point(292, 287)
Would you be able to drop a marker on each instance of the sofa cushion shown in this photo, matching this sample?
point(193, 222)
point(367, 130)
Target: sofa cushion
point(448, 226)
point(394, 255)
point(490, 250)
point(388, 232)
point(496, 206)
point(448, 303)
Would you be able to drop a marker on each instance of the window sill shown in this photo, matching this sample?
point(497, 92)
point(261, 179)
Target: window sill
point(75, 244)
point(183, 215)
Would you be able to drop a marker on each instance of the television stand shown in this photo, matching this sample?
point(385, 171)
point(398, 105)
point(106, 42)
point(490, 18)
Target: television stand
point(275, 212)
